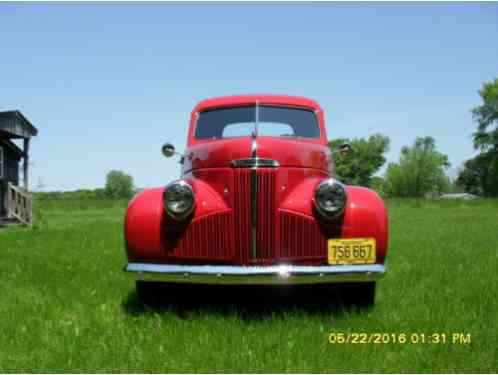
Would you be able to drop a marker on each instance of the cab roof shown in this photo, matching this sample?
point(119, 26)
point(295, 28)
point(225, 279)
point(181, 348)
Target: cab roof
point(236, 100)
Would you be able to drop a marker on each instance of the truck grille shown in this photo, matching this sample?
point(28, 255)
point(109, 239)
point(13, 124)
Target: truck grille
point(267, 214)
point(303, 240)
point(227, 237)
point(242, 213)
point(266, 218)
point(301, 237)
point(206, 238)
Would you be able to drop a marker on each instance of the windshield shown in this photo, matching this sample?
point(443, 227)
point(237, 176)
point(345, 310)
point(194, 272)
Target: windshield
point(270, 121)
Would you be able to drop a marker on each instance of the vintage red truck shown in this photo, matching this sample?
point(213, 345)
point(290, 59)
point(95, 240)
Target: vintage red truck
point(257, 203)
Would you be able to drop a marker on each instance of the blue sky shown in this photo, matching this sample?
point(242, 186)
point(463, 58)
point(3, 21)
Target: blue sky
point(107, 84)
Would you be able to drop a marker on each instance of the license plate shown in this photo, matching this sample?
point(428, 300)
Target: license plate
point(352, 251)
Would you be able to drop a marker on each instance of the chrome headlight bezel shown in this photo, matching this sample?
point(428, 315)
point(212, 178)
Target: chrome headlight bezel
point(328, 187)
point(179, 190)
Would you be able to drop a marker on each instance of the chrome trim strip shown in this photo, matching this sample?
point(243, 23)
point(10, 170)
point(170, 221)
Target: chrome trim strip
point(254, 188)
point(254, 275)
point(254, 163)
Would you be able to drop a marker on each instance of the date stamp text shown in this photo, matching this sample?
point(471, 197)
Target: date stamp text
point(414, 338)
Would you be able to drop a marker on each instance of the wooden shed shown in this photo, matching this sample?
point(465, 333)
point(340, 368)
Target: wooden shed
point(15, 198)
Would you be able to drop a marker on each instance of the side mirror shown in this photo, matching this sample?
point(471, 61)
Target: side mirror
point(345, 149)
point(168, 150)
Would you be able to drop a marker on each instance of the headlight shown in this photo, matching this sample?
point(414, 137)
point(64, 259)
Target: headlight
point(330, 198)
point(178, 199)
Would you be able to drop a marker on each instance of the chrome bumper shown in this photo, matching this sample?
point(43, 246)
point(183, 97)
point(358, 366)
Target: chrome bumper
point(254, 275)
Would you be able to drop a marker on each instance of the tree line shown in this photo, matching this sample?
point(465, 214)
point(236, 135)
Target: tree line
point(118, 185)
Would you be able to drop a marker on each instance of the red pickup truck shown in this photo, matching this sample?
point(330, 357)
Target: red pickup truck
point(257, 203)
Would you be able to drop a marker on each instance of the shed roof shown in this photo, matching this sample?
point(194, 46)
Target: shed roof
point(15, 125)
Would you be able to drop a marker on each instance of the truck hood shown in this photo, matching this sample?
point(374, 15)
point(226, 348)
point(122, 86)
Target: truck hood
point(288, 152)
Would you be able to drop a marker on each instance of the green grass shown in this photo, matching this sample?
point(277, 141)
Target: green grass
point(66, 306)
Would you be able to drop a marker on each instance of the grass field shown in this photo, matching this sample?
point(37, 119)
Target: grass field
point(66, 305)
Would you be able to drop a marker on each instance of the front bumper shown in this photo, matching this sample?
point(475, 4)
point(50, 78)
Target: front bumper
point(255, 275)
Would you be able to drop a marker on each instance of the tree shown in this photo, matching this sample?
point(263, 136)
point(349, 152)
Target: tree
point(358, 167)
point(118, 185)
point(486, 116)
point(420, 171)
point(479, 175)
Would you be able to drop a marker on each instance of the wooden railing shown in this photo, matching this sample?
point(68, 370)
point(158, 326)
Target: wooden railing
point(19, 204)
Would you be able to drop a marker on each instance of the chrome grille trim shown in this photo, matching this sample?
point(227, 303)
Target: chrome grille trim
point(254, 189)
point(255, 162)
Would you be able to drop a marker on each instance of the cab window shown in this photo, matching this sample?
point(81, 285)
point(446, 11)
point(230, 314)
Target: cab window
point(272, 121)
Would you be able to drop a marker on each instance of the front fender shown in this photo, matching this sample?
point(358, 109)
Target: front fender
point(146, 219)
point(143, 223)
point(365, 214)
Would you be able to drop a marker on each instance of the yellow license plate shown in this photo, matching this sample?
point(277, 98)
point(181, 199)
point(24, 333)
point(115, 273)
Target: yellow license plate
point(352, 251)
